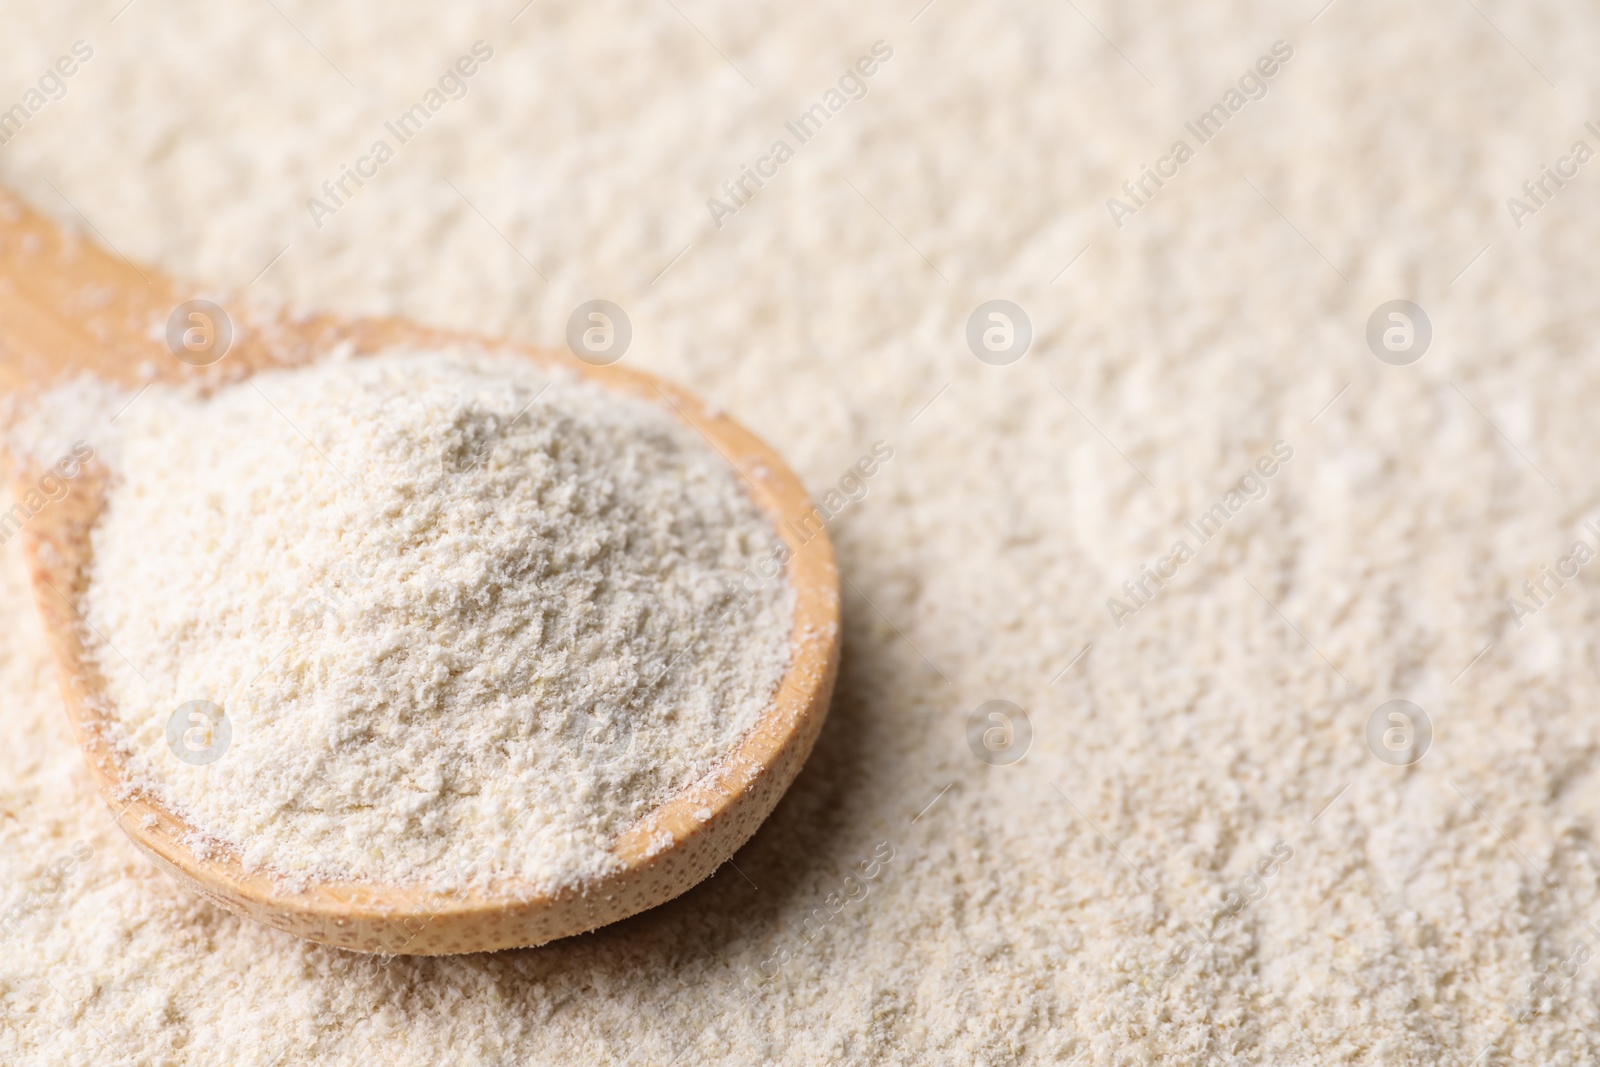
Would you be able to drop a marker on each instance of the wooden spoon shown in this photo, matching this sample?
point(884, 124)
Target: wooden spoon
point(69, 307)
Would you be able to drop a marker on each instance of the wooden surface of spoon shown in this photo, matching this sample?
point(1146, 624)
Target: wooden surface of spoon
point(69, 307)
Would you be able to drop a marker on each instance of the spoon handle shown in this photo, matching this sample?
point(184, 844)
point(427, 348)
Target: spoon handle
point(70, 306)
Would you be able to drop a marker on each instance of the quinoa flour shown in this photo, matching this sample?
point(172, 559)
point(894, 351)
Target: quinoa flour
point(1032, 912)
point(457, 616)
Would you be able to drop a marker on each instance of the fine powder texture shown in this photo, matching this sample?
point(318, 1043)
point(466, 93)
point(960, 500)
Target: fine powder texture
point(459, 617)
point(1030, 909)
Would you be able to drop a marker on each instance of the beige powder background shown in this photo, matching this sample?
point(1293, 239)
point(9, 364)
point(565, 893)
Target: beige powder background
point(1027, 908)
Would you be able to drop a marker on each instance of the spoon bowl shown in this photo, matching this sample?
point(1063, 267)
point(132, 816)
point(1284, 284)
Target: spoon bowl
point(69, 308)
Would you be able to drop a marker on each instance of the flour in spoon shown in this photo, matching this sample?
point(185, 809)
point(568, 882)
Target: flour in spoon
point(459, 617)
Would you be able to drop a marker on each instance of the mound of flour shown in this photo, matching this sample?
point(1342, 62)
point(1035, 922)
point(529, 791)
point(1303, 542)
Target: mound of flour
point(457, 616)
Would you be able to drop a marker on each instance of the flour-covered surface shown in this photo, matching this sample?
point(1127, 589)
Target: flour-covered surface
point(1211, 753)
